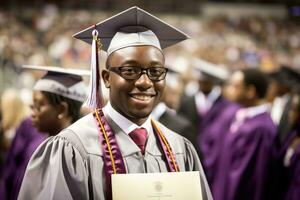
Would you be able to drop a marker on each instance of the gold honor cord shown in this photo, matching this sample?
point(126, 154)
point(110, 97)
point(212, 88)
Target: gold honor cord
point(97, 38)
point(167, 145)
point(107, 142)
point(99, 43)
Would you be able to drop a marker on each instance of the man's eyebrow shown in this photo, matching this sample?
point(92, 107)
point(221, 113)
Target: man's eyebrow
point(156, 63)
point(135, 62)
point(127, 62)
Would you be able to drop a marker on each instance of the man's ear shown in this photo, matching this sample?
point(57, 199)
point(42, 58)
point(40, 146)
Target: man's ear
point(105, 77)
point(251, 92)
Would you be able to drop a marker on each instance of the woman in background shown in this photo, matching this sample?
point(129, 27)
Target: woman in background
point(57, 99)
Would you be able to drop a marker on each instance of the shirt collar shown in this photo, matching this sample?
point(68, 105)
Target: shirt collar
point(254, 111)
point(204, 103)
point(126, 125)
point(214, 94)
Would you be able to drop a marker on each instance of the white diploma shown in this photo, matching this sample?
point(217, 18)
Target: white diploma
point(157, 186)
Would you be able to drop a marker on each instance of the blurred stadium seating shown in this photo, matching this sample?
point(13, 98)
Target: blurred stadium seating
point(43, 36)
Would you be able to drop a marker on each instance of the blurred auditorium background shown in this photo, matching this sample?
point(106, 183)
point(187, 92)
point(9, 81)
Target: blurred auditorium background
point(233, 34)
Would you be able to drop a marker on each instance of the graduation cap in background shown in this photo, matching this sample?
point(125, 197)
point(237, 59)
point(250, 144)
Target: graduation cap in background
point(285, 76)
point(208, 70)
point(289, 78)
point(173, 78)
point(292, 75)
point(132, 27)
point(61, 81)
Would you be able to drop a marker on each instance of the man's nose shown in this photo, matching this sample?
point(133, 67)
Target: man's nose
point(144, 81)
point(32, 114)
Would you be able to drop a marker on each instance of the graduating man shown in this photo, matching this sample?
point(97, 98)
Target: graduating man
point(121, 137)
point(246, 151)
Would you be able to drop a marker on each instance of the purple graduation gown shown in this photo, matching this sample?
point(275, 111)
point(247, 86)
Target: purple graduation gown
point(26, 140)
point(244, 160)
point(210, 138)
point(293, 192)
point(291, 181)
point(213, 114)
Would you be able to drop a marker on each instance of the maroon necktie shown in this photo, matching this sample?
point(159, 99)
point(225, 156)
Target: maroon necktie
point(139, 136)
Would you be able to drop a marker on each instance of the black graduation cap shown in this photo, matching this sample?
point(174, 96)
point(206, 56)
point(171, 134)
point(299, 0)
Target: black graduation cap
point(292, 75)
point(210, 70)
point(285, 76)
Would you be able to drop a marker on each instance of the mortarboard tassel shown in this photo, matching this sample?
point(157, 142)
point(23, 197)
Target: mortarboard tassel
point(94, 99)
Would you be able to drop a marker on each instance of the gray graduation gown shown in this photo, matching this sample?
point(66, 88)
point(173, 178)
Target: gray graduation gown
point(70, 165)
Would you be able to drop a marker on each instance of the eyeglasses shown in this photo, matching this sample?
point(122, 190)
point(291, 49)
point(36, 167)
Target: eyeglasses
point(135, 72)
point(35, 108)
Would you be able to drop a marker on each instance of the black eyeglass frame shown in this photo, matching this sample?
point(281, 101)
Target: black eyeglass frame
point(118, 70)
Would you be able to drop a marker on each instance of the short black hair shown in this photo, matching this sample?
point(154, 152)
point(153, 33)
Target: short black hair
point(258, 79)
point(73, 105)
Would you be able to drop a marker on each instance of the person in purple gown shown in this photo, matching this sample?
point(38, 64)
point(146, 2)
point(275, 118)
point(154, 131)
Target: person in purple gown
point(57, 99)
point(282, 88)
point(292, 164)
point(291, 159)
point(211, 138)
point(26, 140)
point(246, 150)
point(289, 185)
point(205, 108)
point(288, 171)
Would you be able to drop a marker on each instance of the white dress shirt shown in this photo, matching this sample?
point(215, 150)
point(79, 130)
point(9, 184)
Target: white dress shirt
point(126, 125)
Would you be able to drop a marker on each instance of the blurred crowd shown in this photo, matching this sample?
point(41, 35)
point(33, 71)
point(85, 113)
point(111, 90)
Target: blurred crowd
point(44, 37)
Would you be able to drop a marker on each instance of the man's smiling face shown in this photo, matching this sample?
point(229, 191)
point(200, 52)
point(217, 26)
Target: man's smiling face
point(134, 99)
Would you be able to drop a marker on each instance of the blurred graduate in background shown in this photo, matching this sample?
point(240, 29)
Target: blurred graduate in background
point(57, 99)
point(205, 108)
point(166, 111)
point(286, 177)
point(247, 150)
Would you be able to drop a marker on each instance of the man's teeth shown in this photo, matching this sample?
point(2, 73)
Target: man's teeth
point(141, 97)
